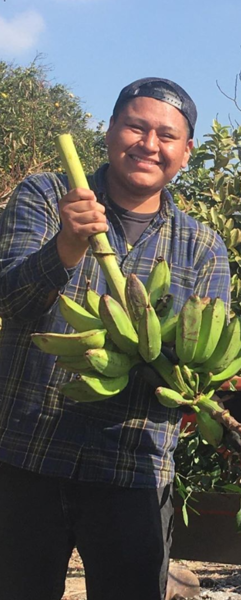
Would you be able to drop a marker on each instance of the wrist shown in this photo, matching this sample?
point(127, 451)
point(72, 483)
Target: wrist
point(69, 253)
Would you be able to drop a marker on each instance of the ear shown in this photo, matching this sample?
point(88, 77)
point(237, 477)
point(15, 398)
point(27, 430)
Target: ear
point(187, 153)
point(111, 124)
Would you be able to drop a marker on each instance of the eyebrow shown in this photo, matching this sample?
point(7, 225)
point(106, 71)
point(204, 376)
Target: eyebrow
point(162, 127)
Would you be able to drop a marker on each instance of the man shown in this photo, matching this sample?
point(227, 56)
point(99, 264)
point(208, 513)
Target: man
point(98, 475)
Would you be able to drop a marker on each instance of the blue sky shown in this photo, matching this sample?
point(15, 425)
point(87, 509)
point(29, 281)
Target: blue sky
point(96, 47)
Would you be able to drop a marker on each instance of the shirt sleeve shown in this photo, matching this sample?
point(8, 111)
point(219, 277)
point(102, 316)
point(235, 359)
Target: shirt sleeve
point(29, 263)
point(214, 275)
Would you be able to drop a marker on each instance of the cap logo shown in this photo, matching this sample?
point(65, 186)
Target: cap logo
point(167, 96)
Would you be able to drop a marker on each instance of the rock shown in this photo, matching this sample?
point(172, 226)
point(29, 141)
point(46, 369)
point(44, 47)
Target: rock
point(182, 583)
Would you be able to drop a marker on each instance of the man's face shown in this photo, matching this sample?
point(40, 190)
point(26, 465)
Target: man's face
point(147, 145)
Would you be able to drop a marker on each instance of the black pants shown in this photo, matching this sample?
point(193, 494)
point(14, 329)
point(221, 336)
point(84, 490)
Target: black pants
point(123, 537)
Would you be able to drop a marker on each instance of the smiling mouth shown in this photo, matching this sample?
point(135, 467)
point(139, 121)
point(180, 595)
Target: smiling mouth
point(146, 161)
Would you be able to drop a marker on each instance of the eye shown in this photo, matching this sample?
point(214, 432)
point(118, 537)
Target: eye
point(167, 135)
point(136, 126)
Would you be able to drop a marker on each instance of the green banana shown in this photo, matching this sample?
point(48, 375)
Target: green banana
point(213, 319)
point(158, 282)
point(109, 345)
point(205, 301)
point(77, 391)
point(210, 430)
point(189, 377)
point(229, 373)
point(164, 368)
point(92, 301)
point(205, 403)
point(227, 349)
point(196, 381)
point(136, 297)
point(110, 364)
point(149, 332)
point(170, 398)
point(73, 344)
point(188, 329)
point(204, 383)
point(172, 375)
point(73, 364)
point(168, 329)
point(76, 316)
point(89, 388)
point(118, 325)
point(164, 306)
point(180, 382)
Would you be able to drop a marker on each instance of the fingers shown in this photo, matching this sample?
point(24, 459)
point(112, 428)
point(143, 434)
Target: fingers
point(91, 216)
point(83, 210)
point(81, 216)
point(79, 194)
point(86, 231)
point(81, 199)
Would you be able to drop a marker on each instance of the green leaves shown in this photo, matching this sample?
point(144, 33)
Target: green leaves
point(200, 468)
point(210, 191)
point(238, 520)
point(33, 110)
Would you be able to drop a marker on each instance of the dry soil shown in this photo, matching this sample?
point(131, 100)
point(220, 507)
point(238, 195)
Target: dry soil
point(217, 581)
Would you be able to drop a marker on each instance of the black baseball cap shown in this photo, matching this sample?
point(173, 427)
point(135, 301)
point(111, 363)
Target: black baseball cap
point(160, 89)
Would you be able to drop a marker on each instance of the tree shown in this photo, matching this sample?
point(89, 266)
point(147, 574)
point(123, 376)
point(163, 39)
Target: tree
point(32, 112)
point(210, 190)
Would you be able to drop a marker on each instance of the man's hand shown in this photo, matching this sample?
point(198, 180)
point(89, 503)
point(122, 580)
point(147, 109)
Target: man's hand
point(81, 216)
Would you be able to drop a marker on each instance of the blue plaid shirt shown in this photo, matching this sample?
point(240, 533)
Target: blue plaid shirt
point(128, 440)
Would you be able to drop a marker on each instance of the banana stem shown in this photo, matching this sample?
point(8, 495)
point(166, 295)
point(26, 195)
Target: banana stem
point(202, 402)
point(102, 250)
point(219, 414)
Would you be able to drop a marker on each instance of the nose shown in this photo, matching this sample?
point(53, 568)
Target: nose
point(150, 141)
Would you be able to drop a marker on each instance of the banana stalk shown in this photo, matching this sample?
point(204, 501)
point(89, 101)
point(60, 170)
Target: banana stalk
point(218, 413)
point(102, 250)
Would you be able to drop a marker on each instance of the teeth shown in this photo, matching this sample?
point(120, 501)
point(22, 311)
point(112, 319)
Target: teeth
point(139, 159)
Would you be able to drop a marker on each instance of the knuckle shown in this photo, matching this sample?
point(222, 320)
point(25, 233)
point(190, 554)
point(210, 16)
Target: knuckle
point(96, 227)
point(90, 195)
point(97, 215)
point(92, 203)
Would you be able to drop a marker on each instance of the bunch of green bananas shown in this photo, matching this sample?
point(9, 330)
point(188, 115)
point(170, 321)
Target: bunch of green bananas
point(207, 353)
point(111, 339)
point(108, 339)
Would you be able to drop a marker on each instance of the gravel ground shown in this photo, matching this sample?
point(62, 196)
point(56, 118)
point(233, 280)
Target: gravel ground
point(75, 582)
point(217, 581)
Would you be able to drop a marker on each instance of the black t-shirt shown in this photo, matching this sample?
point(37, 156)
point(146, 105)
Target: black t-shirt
point(133, 223)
